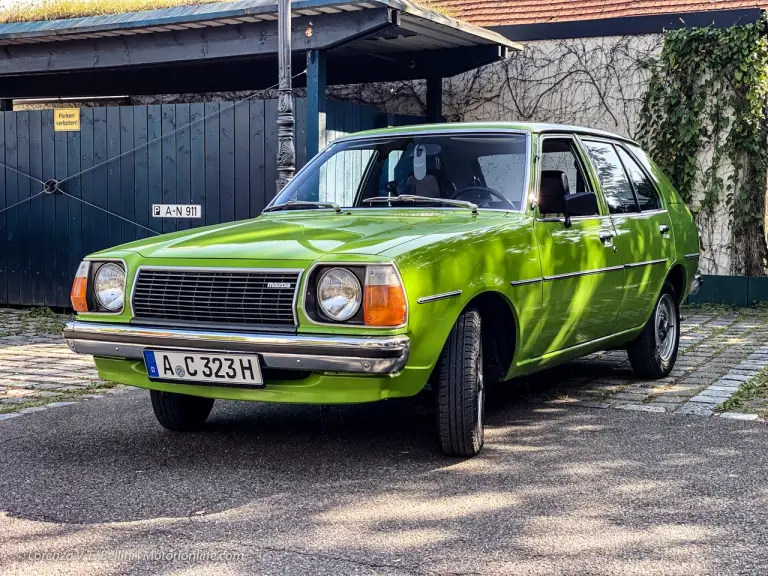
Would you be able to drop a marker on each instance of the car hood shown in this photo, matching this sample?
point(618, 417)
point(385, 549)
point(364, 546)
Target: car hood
point(304, 235)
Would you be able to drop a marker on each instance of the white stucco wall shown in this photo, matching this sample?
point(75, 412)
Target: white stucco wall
point(595, 82)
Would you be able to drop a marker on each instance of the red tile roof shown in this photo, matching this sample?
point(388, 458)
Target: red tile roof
point(504, 12)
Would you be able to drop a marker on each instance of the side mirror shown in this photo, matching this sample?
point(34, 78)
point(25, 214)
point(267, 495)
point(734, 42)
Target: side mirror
point(581, 204)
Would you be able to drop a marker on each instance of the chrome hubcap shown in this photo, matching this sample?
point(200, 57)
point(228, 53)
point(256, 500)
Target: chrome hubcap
point(666, 327)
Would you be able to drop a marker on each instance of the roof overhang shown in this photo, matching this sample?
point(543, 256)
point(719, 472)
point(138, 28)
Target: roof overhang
point(233, 46)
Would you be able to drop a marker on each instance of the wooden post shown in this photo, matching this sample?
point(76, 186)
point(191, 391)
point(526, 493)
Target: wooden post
point(434, 99)
point(316, 102)
point(286, 149)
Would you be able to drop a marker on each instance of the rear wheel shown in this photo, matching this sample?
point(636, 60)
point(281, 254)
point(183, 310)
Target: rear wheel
point(461, 388)
point(654, 352)
point(180, 412)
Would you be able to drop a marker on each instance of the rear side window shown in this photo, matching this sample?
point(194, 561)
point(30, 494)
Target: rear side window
point(647, 196)
point(613, 180)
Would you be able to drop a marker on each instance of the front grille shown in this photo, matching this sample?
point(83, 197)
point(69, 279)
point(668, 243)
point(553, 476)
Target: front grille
point(192, 296)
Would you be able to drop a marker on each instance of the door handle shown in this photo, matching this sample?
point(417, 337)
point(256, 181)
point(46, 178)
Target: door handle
point(605, 236)
point(664, 229)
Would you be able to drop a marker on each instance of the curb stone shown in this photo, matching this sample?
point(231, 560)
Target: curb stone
point(717, 393)
point(740, 416)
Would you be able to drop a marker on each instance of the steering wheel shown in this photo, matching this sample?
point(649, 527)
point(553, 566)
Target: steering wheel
point(489, 191)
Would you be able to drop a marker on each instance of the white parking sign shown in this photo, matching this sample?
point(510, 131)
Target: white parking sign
point(177, 211)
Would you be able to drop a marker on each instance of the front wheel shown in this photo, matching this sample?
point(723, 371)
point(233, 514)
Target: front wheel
point(461, 388)
point(653, 353)
point(180, 412)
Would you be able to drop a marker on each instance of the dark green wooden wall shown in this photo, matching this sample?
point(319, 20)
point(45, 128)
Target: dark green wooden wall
point(213, 154)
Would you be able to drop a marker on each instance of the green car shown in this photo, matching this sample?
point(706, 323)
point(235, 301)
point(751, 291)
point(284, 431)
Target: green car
point(440, 259)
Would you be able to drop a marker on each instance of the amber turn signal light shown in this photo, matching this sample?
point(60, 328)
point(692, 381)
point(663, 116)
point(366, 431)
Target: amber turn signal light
point(80, 288)
point(384, 303)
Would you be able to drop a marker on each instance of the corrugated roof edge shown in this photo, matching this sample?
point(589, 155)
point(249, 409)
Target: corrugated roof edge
point(535, 127)
point(200, 12)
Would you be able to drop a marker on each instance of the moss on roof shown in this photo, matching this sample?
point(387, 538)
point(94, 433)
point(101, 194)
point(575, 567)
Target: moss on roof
point(36, 10)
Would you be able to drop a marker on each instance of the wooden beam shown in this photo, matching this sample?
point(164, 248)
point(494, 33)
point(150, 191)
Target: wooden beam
point(186, 46)
point(316, 101)
point(392, 67)
point(243, 74)
point(223, 76)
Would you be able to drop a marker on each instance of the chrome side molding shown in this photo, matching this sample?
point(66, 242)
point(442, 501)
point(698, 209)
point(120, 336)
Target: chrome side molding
point(528, 281)
point(583, 273)
point(436, 297)
point(646, 263)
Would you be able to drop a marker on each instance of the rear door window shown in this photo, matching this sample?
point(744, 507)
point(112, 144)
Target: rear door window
point(613, 180)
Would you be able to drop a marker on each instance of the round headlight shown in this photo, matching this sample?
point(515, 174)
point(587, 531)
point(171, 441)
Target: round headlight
point(109, 287)
point(339, 294)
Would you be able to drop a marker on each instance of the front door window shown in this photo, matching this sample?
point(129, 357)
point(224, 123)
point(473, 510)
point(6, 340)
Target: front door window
point(561, 174)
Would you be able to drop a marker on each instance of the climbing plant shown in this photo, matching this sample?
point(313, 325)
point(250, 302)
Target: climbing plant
point(704, 121)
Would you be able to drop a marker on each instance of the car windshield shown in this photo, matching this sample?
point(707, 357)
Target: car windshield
point(405, 170)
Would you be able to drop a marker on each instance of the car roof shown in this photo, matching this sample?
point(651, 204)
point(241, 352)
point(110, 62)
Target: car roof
point(534, 127)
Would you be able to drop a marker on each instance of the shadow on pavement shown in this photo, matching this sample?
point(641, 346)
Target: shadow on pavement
point(555, 490)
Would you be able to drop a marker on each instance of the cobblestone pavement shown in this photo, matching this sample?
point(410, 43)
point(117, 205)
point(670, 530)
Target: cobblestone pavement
point(37, 369)
point(720, 350)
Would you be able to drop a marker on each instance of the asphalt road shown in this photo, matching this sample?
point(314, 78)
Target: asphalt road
point(85, 489)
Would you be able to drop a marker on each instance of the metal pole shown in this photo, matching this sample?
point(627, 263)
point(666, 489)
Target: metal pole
point(286, 149)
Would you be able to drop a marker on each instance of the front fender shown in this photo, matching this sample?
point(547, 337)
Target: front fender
point(443, 278)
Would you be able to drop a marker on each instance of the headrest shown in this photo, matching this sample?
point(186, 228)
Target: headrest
point(555, 180)
point(554, 187)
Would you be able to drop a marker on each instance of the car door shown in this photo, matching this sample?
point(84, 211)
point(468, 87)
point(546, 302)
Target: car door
point(582, 270)
point(644, 231)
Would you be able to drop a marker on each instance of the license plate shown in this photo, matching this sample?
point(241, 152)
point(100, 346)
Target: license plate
point(218, 369)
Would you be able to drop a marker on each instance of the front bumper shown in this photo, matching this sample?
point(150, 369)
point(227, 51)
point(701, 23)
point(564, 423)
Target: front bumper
point(355, 355)
point(695, 284)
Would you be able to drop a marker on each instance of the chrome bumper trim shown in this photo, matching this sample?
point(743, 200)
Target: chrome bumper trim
point(695, 284)
point(358, 355)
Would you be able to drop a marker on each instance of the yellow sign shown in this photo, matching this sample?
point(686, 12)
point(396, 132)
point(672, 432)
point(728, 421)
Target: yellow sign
point(66, 119)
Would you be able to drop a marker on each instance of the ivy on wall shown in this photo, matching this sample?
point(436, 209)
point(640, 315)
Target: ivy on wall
point(704, 120)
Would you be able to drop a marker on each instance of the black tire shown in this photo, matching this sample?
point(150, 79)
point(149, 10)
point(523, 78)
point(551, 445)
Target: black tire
point(460, 388)
point(180, 412)
point(653, 357)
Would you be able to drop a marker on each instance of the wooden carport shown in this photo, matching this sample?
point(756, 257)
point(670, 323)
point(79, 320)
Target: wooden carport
point(233, 46)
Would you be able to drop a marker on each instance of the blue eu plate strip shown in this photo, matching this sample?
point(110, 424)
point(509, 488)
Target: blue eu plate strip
point(149, 360)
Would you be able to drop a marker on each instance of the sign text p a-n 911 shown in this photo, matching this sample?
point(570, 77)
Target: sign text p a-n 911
point(177, 211)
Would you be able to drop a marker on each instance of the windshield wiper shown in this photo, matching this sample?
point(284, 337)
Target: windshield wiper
point(303, 204)
point(406, 198)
